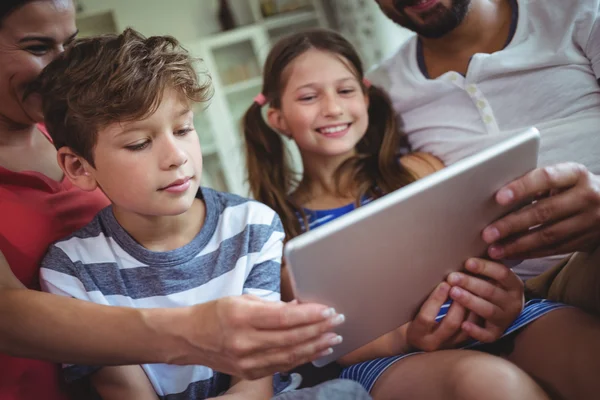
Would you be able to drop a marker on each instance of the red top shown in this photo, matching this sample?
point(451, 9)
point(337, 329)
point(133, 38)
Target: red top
point(36, 211)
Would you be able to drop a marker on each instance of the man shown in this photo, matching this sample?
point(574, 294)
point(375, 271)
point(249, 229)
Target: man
point(478, 71)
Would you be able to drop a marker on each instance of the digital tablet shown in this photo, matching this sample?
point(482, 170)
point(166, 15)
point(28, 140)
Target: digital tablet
point(378, 263)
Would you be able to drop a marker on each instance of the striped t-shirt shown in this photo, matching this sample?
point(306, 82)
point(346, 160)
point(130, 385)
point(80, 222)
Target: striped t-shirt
point(237, 251)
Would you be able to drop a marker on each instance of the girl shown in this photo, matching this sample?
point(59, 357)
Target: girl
point(346, 133)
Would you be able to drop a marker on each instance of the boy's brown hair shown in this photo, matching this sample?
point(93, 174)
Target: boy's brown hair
point(113, 78)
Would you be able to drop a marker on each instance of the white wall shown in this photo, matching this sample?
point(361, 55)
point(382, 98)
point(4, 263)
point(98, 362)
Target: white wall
point(390, 36)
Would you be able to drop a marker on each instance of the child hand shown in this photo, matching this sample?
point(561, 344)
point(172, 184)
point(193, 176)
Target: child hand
point(493, 292)
point(424, 332)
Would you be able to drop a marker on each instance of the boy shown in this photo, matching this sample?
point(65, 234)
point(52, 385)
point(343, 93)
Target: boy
point(119, 111)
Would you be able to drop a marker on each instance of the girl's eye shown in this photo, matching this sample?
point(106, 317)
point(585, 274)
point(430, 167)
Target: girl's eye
point(138, 146)
point(183, 132)
point(347, 91)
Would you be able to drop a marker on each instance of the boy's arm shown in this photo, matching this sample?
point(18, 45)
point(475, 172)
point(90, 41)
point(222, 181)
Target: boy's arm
point(123, 383)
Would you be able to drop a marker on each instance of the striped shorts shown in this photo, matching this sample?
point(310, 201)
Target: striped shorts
point(367, 373)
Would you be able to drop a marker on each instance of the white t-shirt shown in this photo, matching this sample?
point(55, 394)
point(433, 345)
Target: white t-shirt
point(546, 76)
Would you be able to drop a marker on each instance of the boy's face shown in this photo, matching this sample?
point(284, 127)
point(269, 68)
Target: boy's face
point(151, 167)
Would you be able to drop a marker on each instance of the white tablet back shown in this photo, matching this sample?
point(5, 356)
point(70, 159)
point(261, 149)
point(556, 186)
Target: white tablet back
point(377, 264)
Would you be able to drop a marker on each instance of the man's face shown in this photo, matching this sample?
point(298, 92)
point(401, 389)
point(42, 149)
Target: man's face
point(428, 18)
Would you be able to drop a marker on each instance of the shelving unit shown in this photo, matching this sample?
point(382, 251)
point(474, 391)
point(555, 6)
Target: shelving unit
point(234, 60)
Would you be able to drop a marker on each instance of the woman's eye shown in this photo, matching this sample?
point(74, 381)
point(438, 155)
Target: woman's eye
point(138, 146)
point(38, 49)
point(183, 132)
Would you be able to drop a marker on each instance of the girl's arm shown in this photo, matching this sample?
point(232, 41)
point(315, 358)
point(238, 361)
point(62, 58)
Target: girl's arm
point(127, 382)
point(240, 389)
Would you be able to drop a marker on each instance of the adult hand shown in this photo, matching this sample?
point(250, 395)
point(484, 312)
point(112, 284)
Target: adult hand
point(251, 338)
point(493, 292)
point(424, 332)
point(567, 219)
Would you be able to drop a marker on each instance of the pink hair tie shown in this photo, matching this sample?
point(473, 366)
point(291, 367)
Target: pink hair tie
point(260, 99)
point(367, 83)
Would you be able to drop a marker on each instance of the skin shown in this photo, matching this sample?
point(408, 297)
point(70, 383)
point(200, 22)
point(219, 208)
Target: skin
point(568, 217)
point(241, 336)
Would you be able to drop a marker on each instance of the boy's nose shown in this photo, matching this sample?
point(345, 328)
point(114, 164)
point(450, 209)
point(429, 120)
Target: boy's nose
point(173, 155)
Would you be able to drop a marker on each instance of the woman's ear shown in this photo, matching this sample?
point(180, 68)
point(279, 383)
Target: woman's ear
point(77, 169)
point(277, 122)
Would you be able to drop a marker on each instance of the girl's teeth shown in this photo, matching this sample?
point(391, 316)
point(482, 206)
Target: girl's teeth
point(334, 129)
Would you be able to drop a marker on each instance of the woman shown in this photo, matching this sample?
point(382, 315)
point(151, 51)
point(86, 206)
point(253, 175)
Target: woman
point(37, 206)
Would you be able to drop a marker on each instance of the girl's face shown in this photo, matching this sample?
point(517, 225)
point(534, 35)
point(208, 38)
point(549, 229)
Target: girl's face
point(323, 107)
point(30, 38)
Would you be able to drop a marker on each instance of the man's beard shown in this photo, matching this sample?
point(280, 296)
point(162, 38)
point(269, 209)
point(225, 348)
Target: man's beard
point(437, 22)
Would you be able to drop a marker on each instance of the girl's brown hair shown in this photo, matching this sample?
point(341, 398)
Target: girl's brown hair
point(270, 175)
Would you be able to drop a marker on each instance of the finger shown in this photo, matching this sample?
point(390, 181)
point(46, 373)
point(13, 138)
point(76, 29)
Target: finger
point(544, 237)
point(558, 176)
point(284, 359)
point(499, 273)
point(269, 315)
point(541, 212)
point(449, 327)
point(483, 308)
point(267, 339)
point(586, 242)
point(487, 334)
point(425, 321)
point(463, 335)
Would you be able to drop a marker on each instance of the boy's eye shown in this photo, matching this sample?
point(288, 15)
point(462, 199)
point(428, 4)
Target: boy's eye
point(307, 97)
point(138, 146)
point(183, 132)
point(347, 91)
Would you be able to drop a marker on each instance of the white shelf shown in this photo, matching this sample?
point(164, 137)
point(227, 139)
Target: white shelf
point(289, 18)
point(242, 86)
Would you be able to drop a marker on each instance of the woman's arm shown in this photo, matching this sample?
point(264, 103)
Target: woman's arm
point(128, 382)
point(216, 334)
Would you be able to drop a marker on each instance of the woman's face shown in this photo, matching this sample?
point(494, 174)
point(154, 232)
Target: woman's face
point(30, 38)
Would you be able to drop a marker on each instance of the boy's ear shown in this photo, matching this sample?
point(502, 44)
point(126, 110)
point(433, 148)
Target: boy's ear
point(277, 122)
point(77, 169)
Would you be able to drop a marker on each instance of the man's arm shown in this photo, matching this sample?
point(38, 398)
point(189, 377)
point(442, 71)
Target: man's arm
point(592, 49)
point(239, 336)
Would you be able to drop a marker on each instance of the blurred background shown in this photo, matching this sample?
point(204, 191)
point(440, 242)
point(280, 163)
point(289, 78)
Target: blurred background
point(233, 38)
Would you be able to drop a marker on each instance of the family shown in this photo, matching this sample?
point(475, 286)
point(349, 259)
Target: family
point(118, 264)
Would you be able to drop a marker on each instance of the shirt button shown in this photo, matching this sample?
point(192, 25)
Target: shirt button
point(472, 89)
point(453, 77)
point(480, 103)
point(488, 119)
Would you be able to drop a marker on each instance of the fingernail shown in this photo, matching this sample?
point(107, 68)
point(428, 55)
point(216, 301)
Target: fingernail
point(326, 352)
point(491, 234)
point(471, 264)
point(454, 278)
point(330, 312)
point(496, 252)
point(338, 319)
point(336, 340)
point(505, 196)
point(455, 292)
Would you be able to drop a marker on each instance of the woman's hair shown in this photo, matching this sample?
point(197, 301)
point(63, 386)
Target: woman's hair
point(375, 169)
point(7, 7)
point(113, 78)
